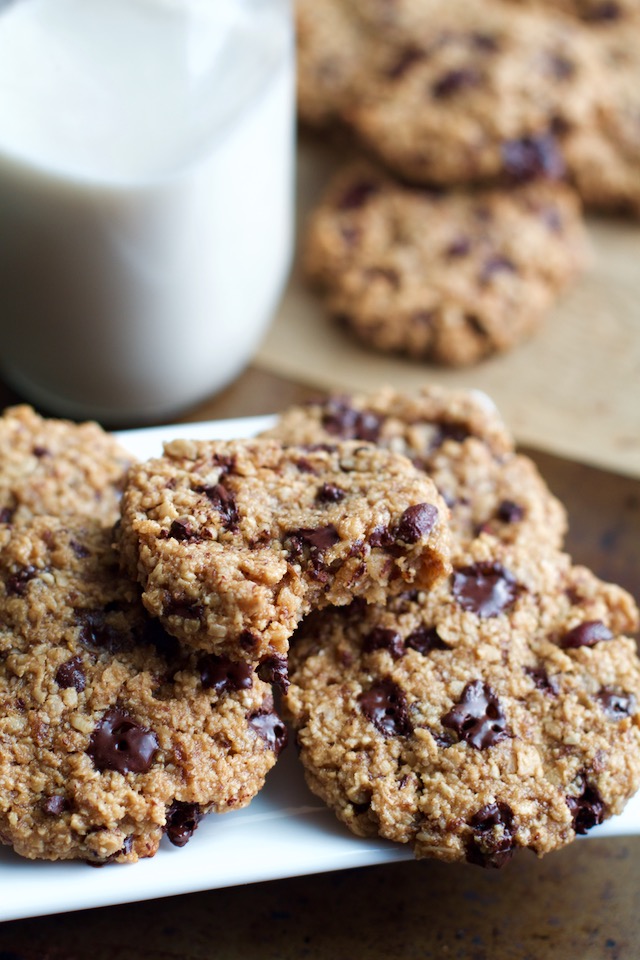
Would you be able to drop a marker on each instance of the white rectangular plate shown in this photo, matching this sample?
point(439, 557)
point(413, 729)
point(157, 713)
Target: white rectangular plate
point(285, 832)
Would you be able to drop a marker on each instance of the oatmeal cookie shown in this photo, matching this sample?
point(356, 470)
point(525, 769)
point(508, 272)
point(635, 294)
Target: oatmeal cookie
point(111, 735)
point(234, 542)
point(451, 278)
point(459, 439)
point(58, 467)
point(498, 711)
point(485, 92)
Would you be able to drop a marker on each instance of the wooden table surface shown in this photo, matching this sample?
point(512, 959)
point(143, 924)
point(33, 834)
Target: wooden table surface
point(583, 902)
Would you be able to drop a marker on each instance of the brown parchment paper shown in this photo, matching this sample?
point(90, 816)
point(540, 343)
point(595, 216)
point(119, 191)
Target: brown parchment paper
point(572, 390)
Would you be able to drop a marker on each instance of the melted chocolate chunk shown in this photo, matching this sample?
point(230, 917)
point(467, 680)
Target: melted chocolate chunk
point(182, 822)
point(452, 82)
point(6, 514)
point(182, 529)
point(496, 264)
point(54, 806)
point(341, 420)
point(79, 549)
point(357, 195)
point(183, 607)
point(510, 512)
point(275, 670)
point(330, 493)
point(586, 634)
point(153, 634)
point(407, 59)
point(486, 589)
point(248, 641)
point(425, 639)
point(449, 431)
point(459, 248)
point(385, 705)
point(478, 718)
point(316, 541)
point(492, 843)
point(531, 157)
point(382, 639)
point(224, 502)
point(271, 729)
point(222, 674)
point(587, 809)
point(96, 631)
point(18, 581)
point(542, 680)
point(416, 522)
point(608, 10)
point(615, 704)
point(71, 674)
point(119, 743)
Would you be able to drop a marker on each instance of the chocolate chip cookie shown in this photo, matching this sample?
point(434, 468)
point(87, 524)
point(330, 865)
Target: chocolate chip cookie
point(111, 735)
point(234, 542)
point(603, 159)
point(451, 278)
point(459, 439)
point(58, 467)
point(498, 711)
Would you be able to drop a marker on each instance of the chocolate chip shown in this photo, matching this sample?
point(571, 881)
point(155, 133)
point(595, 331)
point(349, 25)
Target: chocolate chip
point(485, 588)
point(608, 10)
point(384, 639)
point(224, 502)
point(119, 743)
point(182, 821)
point(79, 549)
point(96, 631)
point(496, 264)
point(316, 540)
point(385, 705)
point(416, 522)
point(407, 59)
point(248, 641)
point(425, 639)
point(459, 248)
point(71, 674)
point(271, 729)
point(587, 809)
point(542, 680)
point(492, 843)
point(586, 634)
point(448, 431)
point(485, 42)
point(275, 670)
point(182, 529)
point(54, 806)
point(330, 493)
point(17, 582)
point(340, 419)
point(357, 195)
point(453, 81)
point(560, 67)
point(222, 674)
point(39, 452)
point(183, 607)
point(6, 514)
point(529, 157)
point(510, 512)
point(616, 705)
point(478, 718)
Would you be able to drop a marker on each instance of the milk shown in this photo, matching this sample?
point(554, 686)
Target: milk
point(146, 151)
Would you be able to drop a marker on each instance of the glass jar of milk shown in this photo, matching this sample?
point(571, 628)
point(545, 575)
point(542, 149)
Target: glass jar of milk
point(146, 189)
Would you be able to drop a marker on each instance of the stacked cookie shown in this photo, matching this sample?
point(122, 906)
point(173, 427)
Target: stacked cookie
point(458, 241)
point(389, 563)
point(497, 710)
point(129, 714)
